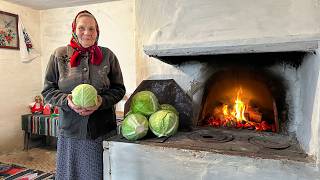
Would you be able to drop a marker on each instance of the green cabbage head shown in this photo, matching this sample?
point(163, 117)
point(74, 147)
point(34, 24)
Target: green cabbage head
point(134, 127)
point(128, 113)
point(144, 102)
point(84, 95)
point(164, 123)
point(169, 107)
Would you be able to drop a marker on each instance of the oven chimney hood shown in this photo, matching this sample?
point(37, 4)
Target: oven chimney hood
point(160, 48)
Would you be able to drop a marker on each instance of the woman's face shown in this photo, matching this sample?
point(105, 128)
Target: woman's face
point(86, 31)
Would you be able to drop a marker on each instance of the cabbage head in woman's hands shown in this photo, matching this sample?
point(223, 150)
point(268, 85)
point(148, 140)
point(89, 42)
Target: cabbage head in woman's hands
point(84, 95)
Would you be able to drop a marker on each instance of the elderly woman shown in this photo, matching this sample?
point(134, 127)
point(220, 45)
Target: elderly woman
point(82, 130)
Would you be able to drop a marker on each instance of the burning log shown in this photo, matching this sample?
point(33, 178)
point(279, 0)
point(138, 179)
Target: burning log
point(255, 116)
point(276, 120)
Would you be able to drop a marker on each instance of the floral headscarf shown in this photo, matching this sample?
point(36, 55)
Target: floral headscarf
point(95, 51)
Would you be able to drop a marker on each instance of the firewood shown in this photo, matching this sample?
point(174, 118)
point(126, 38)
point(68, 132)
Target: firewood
point(255, 116)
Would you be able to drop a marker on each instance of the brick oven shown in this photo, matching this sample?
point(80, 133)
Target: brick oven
point(245, 77)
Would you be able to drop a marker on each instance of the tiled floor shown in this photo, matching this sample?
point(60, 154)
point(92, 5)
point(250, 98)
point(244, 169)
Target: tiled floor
point(35, 158)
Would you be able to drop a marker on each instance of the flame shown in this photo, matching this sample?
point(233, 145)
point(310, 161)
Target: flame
point(240, 116)
point(238, 110)
point(225, 110)
point(239, 107)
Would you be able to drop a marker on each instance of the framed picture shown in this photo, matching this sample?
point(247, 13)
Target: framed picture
point(9, 36)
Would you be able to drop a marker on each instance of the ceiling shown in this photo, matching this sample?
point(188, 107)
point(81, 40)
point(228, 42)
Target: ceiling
point(49, 4)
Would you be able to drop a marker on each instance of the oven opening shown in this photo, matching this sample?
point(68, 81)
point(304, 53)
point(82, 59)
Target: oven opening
point(243, 99)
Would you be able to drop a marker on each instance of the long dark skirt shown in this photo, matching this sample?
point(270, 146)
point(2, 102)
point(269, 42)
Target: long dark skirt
point(79, 159)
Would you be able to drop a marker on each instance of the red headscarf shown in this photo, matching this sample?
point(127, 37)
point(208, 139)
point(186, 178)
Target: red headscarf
point(95, 51)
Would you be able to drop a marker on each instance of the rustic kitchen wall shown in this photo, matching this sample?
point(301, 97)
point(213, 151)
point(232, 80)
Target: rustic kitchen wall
point(20, 81)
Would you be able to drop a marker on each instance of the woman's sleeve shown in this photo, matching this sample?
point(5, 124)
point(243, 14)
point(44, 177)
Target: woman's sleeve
point(51, 92)
point(116, 90)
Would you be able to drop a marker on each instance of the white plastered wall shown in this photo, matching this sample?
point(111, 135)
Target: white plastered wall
point(20, 82)
point(308, 123)
point(187, 21)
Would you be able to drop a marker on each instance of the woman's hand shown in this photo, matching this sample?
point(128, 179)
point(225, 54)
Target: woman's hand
point(90, 110)
point(74, 107)
point(83, 111)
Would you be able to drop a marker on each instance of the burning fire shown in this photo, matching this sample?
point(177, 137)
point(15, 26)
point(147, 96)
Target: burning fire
point(239, 107)
point(239, 115)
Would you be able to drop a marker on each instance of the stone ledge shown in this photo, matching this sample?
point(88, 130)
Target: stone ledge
point(254, 45)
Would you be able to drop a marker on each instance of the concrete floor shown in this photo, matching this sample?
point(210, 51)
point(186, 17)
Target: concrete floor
point(40, 158)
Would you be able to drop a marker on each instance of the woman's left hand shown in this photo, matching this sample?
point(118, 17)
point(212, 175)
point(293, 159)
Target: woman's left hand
point(89, 110)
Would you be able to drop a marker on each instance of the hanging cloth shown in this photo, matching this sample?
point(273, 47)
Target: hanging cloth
point(27, 51)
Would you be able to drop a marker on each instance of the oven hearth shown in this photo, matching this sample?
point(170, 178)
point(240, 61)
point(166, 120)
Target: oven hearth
point(231, 142)
point(211, 136)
